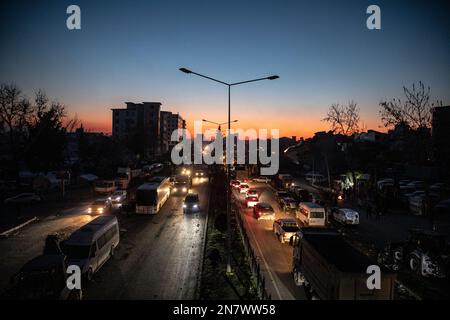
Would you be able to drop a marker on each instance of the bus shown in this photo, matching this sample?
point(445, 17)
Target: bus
point(93, 244)
point(151, 196)
point(105, 186)
point(311, 214)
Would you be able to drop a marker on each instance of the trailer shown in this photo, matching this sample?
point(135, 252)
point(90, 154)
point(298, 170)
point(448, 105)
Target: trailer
point(329, 268)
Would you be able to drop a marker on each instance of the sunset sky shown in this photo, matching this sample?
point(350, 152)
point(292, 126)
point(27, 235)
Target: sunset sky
point(131, 51)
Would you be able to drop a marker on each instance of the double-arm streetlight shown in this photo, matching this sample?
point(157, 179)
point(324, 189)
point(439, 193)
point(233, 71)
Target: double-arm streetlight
point(229, 85)
point(219, 124)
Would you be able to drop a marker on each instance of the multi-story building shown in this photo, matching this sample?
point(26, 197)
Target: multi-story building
point(168, 123)
point(139, 126)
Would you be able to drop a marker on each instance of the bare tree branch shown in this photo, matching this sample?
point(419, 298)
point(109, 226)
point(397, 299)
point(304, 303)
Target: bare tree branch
point(344, 119)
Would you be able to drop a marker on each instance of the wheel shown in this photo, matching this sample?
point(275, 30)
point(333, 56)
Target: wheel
point(90, 275)
point(299, 279)
point(414, 264)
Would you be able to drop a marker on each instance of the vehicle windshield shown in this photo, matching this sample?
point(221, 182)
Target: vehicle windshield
point(77, 252)
point(316, 215)
point(146, 197)
point(191, 198)
point(290, 227)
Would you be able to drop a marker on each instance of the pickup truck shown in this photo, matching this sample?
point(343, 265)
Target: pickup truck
point(285, 229)
point(329, 268)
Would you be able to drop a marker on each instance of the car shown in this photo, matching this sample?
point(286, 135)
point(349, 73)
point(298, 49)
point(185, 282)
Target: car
point(285, 229)
point(263, 211)
point(23, 198)
point(191, 203)
point(252, 192)
point(280, 195)
point(262, 179)
point(243, 188)
point(100, 206)
point(43, 278)
point(235, 183)
point(346, 216)
point(288, 205)
point(251, 201)
point(200, 173)
point(417, 185)
point(118, 196)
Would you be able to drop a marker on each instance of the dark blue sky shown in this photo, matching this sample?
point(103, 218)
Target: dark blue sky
point(131, 51)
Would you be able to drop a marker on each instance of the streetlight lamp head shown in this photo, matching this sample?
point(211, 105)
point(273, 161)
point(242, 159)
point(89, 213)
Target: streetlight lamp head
point(273, 77)
point(185, 70)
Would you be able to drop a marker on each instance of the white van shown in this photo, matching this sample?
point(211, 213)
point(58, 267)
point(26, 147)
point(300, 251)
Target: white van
point(93, 244)
point(311, 214)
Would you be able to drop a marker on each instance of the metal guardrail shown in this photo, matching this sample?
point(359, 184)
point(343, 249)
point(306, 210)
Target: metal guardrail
point(252, 257)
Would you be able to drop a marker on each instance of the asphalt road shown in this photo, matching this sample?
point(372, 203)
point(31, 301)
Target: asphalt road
point(28, 242)
point(275, 257)
point(159, 256)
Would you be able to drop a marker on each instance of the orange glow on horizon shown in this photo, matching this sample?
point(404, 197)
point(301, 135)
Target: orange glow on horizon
point(288, 124)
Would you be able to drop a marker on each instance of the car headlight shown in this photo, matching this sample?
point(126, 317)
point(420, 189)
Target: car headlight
point(118, 199)
point(89, 210)
point(184, 189)
point(100, 210)
point(175, 189)
point(184, 206)
point(195, 206)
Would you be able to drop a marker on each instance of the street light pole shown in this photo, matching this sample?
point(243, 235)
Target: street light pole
point(229, 271)
point(187, 71)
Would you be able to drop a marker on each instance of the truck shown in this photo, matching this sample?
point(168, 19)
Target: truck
point(329, 268)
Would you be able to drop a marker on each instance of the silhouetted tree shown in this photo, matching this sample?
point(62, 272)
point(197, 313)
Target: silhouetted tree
point(415, 111)
point(343, 119)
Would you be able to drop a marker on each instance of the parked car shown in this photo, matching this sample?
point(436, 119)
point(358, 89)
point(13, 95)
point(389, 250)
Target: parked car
point(100, 206)
point(346, 216)
point(23, 198)
point(191, 203)
point(262, 179)
point(251, 201)
point(263, 211)
point(118, 196)
point(243, 188)
point(285, 229)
